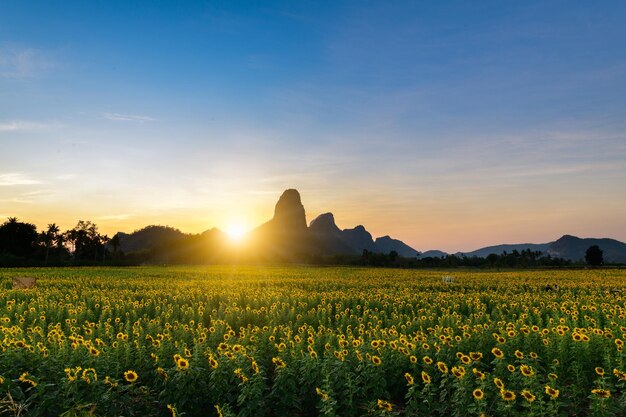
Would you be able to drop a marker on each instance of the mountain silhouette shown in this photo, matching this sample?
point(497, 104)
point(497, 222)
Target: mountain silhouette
point(567, 247)
point(574, 248)
point(387, 244)
point(285, 237)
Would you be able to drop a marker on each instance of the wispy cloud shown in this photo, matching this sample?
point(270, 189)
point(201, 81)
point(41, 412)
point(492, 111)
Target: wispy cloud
point(20, 125)
point(23, 62)
point(10, 179)
point(128, 117)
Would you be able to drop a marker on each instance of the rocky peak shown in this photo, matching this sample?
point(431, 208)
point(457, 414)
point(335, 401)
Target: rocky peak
point(289, 211)
point(360, 239)
point(324, 223)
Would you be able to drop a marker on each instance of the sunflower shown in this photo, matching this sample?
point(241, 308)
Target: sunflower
point(321, 393)
point(213, 362)
point(476, 356)
point(528, 396)
point(182, 363)
point(172, 410)
point(527, 371)
point(554, 393)
point(384, 405)
point(619, 374)
point(479, 375)
point(497, 353)
point(425, 378)
point(443, 368)
point(519, 355)
point(376, 360)
point(131, 376)
point(510, 368)
point(279, 363)
point(478, 394)
point(507, 395)
point(427, 360)
point(498, 383)
point(599, 371)
point(25, 377)
point(458, 372)
point(409, 378)
point(601, 393)
point(162, 373)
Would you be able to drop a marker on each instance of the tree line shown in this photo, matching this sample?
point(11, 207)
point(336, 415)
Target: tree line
point(515, 259)
point(22, 245)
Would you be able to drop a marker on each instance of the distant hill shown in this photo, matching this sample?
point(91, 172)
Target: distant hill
point(567, 247)
point(148, 238)
point(433, 254)
point(508, 248)
point(387, 244)
point(574, 248)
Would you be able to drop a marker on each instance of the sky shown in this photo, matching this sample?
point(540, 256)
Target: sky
point(447, 124)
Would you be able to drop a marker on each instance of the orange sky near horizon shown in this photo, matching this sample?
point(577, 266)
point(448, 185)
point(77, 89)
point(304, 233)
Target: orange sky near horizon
point(435, 224)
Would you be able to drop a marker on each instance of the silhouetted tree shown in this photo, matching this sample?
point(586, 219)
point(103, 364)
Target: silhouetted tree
point(594, 256)
point(85, 241)
point(51, 238)
point(18, 238)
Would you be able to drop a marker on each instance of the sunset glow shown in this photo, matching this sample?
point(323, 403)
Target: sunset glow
point(236, 232)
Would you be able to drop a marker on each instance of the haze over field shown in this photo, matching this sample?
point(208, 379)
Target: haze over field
point(446, 125)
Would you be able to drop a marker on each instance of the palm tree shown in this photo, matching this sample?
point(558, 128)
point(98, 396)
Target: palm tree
point(49, 237)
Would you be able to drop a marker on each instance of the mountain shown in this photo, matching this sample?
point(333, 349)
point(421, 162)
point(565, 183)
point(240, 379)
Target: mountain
point(433, 254)
point(567, 247)
point(508, 248)
point(387, 244)
point(328, 237)
point(354, 241)
point(359, 239)
point(285, 236)
point(148, 238)
point(289, 214)
point(574, 248)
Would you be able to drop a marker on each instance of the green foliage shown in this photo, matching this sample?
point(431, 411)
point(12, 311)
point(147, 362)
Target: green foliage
point(270, 341)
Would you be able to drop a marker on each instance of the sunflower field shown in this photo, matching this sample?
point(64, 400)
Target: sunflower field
point(301, 341)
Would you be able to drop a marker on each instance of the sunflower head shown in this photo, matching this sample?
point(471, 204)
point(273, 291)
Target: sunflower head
point(528, 396)
point(478, 394)
point(131, 376)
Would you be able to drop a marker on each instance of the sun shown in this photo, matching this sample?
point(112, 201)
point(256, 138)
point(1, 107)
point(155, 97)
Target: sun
point(236, 232)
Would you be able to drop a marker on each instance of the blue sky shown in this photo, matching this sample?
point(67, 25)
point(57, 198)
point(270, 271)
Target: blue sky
point(448, 125)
